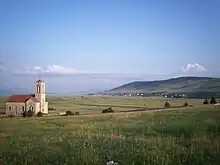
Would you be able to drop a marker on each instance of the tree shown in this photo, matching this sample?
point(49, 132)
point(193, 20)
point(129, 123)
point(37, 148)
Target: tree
point(30, 113)
point(186, 104)
point(212, 101)
point(206, 101)
point(24, 114)
point(51, 109)
point(167, 104)
point(39, 114)
point(108, 110)
point(69, 113)
point(76, 113)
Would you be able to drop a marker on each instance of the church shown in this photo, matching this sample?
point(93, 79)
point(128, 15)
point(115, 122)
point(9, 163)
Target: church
point(17, 104)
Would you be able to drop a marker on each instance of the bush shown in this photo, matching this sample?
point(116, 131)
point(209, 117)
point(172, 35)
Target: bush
point(206, 101)
point(77, 113)
point(186, 104)
point(212, 101)
point(69, 113)
point(108, 110)
point(24, 114)
point(30, 113)
point(11, 115)
point(51, 109)
point(167, 105)
point(39, 114)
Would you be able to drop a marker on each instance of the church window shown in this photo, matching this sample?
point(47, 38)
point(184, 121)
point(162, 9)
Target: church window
point(22, 108)
point(38, 89)
point(9, 108)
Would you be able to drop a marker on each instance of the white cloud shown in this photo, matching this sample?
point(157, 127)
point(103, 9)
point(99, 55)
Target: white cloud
point(189, 68)
point(53, 69)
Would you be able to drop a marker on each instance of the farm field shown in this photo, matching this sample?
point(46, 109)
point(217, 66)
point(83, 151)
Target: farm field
point(95, 104)
point(162, 137)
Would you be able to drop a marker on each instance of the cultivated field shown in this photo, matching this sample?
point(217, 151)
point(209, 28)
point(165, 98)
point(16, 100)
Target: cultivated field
point(163, 137)
point(94, 104)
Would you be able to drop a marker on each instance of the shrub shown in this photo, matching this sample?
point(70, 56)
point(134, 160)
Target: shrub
point(11, 115)
point(186, 104)
point(76, 113)
point(51, 109)
point(108, 110)
point(30, 113)
point(24, 114)
point(69, 113)
point(206, 101)
point(212, 101)
point(167, 105)
point(39, 114)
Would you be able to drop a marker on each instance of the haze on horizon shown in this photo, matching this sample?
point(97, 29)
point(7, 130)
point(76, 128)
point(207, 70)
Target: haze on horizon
point(95, 45)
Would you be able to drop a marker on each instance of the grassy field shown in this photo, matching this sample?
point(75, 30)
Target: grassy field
point(95, 104)
point(168, 137)
point(177, 136)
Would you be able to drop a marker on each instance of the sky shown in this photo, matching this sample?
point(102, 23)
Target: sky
point(84, 45)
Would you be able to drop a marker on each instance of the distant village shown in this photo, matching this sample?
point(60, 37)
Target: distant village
point(159, 94)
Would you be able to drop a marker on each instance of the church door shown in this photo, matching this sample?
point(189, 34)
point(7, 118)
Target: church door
point(31, 107)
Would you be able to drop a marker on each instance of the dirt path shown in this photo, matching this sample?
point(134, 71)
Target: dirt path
point(148, 109)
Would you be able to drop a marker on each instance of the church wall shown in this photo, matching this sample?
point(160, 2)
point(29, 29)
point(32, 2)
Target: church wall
point(14, 108)
point(45, 108)
point(31, 105)
point(37, 107)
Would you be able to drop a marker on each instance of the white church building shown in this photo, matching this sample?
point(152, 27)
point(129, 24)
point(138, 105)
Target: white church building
point(17, 104)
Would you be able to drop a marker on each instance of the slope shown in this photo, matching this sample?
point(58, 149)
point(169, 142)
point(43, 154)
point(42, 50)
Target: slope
point(192, 86)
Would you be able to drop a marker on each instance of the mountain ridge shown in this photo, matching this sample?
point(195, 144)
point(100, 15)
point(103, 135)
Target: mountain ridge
point(191, 85)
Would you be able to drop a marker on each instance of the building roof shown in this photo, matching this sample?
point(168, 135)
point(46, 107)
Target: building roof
point(21, 98)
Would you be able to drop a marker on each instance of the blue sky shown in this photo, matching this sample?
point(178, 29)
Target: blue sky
point(96, 45)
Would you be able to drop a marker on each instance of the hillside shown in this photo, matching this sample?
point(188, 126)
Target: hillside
point(190, 86)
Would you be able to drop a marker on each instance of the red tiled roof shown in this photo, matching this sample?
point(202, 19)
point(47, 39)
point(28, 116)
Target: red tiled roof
point(21, 98)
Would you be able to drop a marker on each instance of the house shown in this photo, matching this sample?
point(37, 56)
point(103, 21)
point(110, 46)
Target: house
point(17, 104)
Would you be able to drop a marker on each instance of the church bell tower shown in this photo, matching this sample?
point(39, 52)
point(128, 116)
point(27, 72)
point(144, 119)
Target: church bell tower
point(40, 94)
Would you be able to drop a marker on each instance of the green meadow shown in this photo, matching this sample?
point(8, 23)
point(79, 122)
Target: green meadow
point(186, 136)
